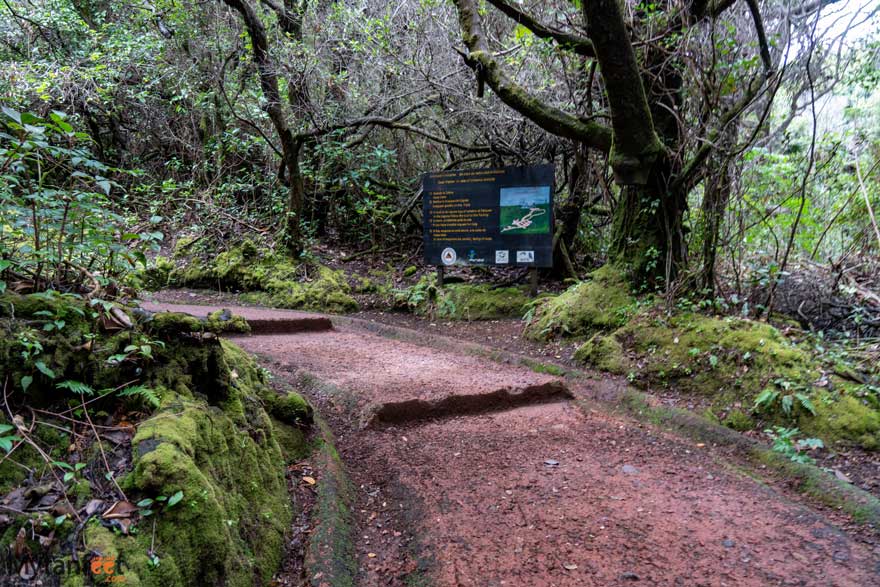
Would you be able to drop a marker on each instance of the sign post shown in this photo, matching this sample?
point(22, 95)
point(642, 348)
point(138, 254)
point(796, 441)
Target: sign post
point(498, 216)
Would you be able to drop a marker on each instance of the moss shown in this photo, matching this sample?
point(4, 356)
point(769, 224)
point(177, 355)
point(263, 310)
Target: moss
point(600, 304)
point(605, 353)
point(331, 558)
point(729, 361)
point(219, 322)
point(545, 368)
point(291, 440)
point(157, 275)
point(211, 438)
point(242, 268)
point(224, 321)
point(230, 524)
point(713, 356)
point(845, 418)
point(410, 271)
point(461, 301)
point(739, 421)
point(291, 409)
point(327, 291)
point(220, 448)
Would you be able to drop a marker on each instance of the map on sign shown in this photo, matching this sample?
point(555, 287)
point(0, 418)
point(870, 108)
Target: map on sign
point(495, 216)
point(525, 210)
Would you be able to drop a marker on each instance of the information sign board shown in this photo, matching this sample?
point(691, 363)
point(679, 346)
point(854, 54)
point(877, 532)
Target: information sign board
point(489, 217)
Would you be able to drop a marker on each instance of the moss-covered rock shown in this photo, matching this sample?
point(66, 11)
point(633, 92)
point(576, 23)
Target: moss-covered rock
point(713, 356)
point(291, 409)
point(219, 448)
point(157, 275)
point(463, 301)
point(739, 421)
point(219, 322)
point(845, 418)
point(600, 304)
point(268, 278)
point(327, 290)
point(730, 362)
point(211, 437)
point(604, 353)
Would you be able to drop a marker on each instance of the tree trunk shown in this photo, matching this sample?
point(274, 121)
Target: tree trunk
point(648, 229)
point(290, 146)
point(715, 198)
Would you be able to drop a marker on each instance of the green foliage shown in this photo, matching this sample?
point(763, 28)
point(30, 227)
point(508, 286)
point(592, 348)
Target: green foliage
point(7, 440)
point(785, 396)
point(58, 228)
point(462, 301)
point(785, 442)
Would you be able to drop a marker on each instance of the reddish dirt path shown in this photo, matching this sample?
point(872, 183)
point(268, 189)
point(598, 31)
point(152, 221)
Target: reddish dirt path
point(548, 494)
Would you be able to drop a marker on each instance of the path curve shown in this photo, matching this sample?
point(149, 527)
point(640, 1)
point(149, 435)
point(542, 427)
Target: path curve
point(543, 492)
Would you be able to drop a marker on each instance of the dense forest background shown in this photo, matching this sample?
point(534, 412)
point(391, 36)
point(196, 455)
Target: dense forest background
point(731, 144)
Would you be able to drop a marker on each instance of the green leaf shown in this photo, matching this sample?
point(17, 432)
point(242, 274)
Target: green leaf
point(42, 368)
point(6, 442)
point(145, 503)
point(68, 477)
point(787, 403)
point(806, 403)
point(26, 382)
point(104, 184)
point(4, 428)
point(60, 519)
point(13, 114)
point(175, 499)
point(4, 264)
point(77, 387)
point(765, 398)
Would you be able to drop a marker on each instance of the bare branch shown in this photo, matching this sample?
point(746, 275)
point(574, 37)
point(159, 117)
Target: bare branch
point(576, 43)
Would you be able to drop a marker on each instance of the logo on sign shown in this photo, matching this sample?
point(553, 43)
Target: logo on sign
point(525, 256)
point(502, 257)
point(448, 256)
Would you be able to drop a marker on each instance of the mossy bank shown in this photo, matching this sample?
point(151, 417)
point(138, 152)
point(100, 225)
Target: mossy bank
point(462, 301)
point(266, 277)
point(748, 374)
point(211, 431)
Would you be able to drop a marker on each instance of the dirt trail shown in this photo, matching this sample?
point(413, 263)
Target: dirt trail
point(542, 492)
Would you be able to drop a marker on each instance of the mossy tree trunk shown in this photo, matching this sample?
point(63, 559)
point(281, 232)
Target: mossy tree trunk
point(636, 154)
point(644, 101)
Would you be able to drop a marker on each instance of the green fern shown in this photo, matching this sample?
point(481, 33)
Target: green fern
point(77, 387)
point(142, 392)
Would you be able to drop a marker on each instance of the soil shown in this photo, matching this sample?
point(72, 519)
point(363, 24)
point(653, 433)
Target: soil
point(548, 493)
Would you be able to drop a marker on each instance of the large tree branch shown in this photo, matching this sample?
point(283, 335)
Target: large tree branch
point(551, 119)
point(636, 144)
point(762, 36)
point(576, 43)
point(290, 16)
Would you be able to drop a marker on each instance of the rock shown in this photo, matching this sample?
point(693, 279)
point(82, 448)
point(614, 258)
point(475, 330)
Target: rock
point(551, 463)
point(628, 576)
point(842, 476)
point(629, 470)
point(728, 543)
